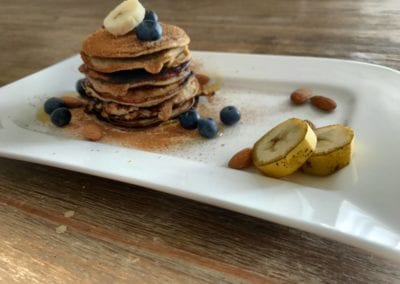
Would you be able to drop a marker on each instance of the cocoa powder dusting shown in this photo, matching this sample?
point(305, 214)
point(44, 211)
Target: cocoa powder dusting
point(156, 139)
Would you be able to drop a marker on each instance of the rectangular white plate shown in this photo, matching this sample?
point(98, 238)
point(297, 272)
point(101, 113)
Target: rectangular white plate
point(359, 205)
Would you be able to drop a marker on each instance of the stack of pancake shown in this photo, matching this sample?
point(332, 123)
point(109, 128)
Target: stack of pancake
point(135, 83)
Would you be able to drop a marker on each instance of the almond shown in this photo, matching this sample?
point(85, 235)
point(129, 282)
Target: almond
point(92, 132)
point(73, 102)
point(300, 96)
point(323, 103)
point(203, 79)
point(241, 159)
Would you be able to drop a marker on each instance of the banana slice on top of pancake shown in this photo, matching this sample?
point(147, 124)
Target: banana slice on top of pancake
point(125, 17)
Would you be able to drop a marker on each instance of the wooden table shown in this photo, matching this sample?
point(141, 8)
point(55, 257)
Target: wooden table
point(59, 226)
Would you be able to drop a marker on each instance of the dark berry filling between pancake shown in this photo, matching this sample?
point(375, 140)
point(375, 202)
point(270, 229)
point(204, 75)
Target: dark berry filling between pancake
point(137, 75)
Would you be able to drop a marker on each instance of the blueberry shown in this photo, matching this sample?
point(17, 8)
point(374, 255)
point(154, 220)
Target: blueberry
point(53, 103)
point(189, 119)
point(149, 30)
point(207, 127)
point(79, 87)
point(229, 115)
point(60, 117)
point(150, 16)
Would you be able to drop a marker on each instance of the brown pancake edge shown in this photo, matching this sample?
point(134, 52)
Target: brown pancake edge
point(141, 97)
point(152, 63)
point(136, 76)
point(147, 122)
point(123, 89)
point(101, 43)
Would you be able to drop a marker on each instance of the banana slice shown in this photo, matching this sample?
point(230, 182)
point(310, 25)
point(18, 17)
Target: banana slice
point(334, 150)
point(125, 17)
point(284, 148)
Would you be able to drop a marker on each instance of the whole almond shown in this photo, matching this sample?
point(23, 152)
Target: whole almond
point(241, 159)
point(203, 79)
point(300, 96)
point(73, 102)
point(323, 103)
point(92, 132)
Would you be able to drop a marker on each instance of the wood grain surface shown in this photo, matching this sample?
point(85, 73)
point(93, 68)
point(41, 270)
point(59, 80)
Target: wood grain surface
point(58, 226)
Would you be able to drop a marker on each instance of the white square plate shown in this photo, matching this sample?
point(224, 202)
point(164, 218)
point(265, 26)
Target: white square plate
point(358, 205)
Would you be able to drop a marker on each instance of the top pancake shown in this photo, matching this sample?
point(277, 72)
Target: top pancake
point(103, 44)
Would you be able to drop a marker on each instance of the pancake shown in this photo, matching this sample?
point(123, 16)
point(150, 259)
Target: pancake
point(134, 76)
point(119, 90)
point(141, 101)
point(152, 63)
point(123, 89)
point(146, 122)
point(191, 90)
point(144, 96)
point(111, 108)
point(105, 45)
point(149, 97)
